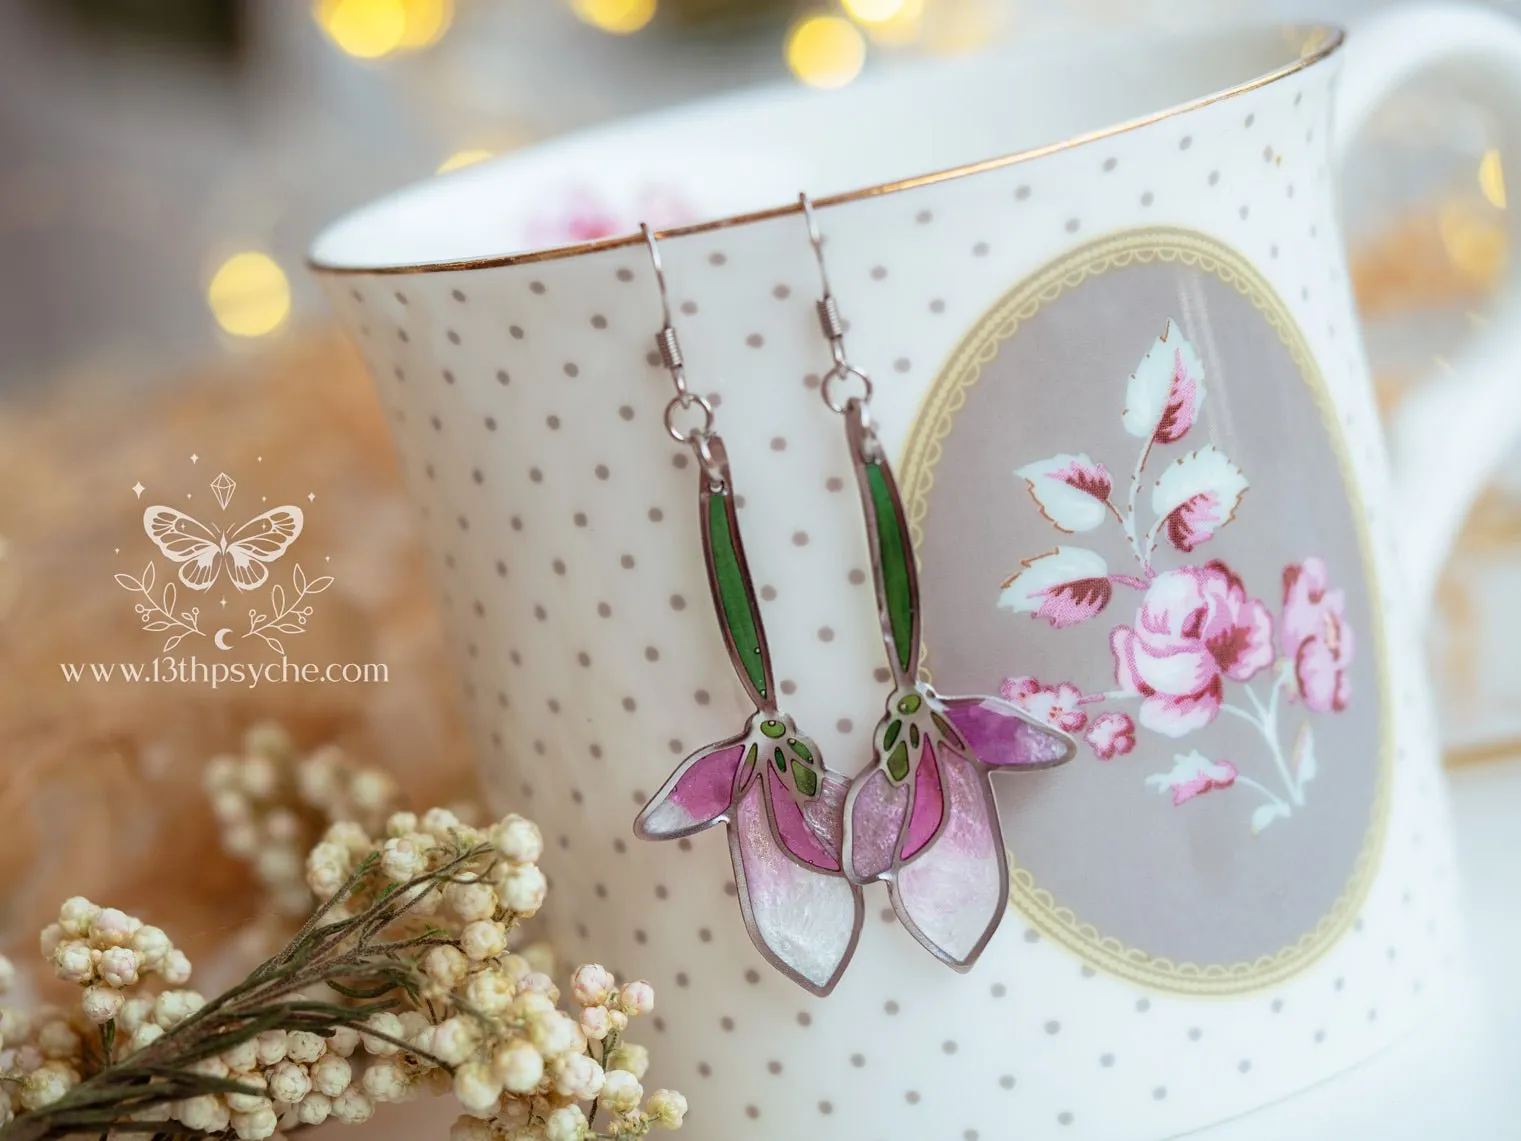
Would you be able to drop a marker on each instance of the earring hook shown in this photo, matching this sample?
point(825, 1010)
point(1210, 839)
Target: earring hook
point(649, 242)
point(816, 238)
point(843, 374)
point(678, 419)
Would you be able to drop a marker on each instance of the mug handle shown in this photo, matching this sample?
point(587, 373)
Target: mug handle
point(1449, 434)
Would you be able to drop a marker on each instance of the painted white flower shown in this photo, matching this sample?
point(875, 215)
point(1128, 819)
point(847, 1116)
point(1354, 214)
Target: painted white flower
point(1196, 495)
point(1166, 391)
point(1065, 586)
point(1072, 491)
point(1193, 774)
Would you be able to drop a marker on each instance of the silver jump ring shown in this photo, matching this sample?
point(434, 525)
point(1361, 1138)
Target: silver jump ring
point(838, 375)
point(682, 403)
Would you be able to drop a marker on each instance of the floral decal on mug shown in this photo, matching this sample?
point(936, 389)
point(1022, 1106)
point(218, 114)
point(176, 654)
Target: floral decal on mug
point(1201, 643)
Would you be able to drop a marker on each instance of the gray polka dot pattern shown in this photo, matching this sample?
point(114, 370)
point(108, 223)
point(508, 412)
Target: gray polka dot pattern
point(527, 411)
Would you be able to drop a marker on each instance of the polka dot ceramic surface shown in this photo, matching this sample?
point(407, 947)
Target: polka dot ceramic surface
point(563, 524)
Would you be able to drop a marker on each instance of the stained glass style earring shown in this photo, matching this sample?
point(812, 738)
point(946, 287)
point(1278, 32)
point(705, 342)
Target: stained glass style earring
point(921, 815)
point(784, 809)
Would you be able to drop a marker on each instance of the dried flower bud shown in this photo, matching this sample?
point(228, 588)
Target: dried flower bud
point(372, 791)
point(591, 984)
point(385, 1023)
point(52, 935)
point(439, 823)
point(101, 1004)
point(271, 1048)
point(352, 1106)
point(567, 1123)
point(447, 966)
point(58, 1041)
point(483, 939)
point(73, 963)
point(112, 927)
point(490, 992)
point(220, 772)
point(523, 889)
point(314, 1108)
point(477, 1087)
point(454, 1040)
point(404, 857)
point(76, 915)
point(248, 1102)
point(258, 777)
point(205, 1113)
point(469, 1128)
point(174, 969)
point(470, 901)
point(387, 1080)
point(667, 1108)
point(595, 1023)
point(174, 1006)
point(331, 1075)
point(117, 966)
point(518, 1067)
point(261, 1123)
point(288, 1082)
point(242, 1057)
point(577, 1076)
point(631, 1058)
point(348, 836)
point(343, 1041)
point(519, 840)
point(152, 944)
point(621, 1091)
point(637, 998)
point(305, 1047)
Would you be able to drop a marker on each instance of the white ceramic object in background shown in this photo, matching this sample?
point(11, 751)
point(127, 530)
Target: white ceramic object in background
point(1241, 886)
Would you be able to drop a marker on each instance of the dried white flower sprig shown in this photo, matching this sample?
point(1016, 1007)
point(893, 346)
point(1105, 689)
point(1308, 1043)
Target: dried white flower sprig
point(400, 984)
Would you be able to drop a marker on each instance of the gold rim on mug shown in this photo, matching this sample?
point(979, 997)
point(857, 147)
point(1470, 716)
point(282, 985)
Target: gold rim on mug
point(1315, 44)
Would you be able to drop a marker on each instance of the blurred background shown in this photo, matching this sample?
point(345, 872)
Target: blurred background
point(163, 166)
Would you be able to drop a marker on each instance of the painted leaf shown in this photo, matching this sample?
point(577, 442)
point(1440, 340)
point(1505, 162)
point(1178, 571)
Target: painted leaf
point(895, 561)
point(804, 921)
point(127, 582)
point(951, 896)
point(1193, 774)
point(1166, 391)
point(318, 585)
point(1196, 496)
point(1072, 491)
point(1302, 760)
point(697, 794)
point(1265, 814)
point(1065, 586)
point(736, 602)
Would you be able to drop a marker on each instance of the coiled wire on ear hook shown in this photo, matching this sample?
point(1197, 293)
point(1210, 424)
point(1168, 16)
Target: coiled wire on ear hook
point(833, 328)
point(699, 435)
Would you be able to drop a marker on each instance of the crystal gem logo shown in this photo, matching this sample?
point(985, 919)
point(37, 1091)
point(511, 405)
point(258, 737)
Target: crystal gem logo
point(220, 560)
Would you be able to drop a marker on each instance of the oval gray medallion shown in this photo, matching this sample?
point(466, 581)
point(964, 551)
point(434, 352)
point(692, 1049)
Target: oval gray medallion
point(1134, 516)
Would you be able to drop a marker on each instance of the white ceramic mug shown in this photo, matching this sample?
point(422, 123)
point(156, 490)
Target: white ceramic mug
point(1119, 375)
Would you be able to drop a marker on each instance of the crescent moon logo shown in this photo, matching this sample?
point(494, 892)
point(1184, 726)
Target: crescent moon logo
point(221, 645)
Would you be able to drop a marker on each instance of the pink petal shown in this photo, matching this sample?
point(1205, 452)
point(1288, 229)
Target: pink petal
point(875, 812)
point(1074, 602)
point(804, 921)
point(929, 805)
point(952, 895)
point(1250, 648)
point(1202, 783)
point(793, 828)
point(1182, 402)
point(1194, 522)
point(1179, 716)
point(1322, 679)
point(1124, 644)
point(698, 793)
point(998, 734)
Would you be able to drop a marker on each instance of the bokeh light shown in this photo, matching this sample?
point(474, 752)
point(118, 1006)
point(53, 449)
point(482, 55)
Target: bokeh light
point(873, 11)
point(1492, 179)
point(249, 295)
point(619, 17)
point(461, 159)
point(825, 51)
point(425, 22)
point(1476, 241)
point(904, 26)
point(364, 29)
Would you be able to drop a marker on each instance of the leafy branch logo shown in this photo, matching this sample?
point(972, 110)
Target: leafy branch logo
point(238, 556)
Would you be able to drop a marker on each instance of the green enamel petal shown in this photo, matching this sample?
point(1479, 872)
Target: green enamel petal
point(780, 759)
point(891, 736)
point(913, 736)
point(804, 779)
point(801, 750)
point(897, 762)
point(946, 731)
point(893, 553)
point(909, 703)
point(772, 728)
point(741, 616)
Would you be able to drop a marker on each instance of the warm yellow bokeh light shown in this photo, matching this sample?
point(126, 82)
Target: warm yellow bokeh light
point(461, 159)
point(904, 26)
point(825, 51)
point(365, 29)
point(1492, 179)
point(249, 295)
point(873, 11)
point(1476, 241)
point(620, 17)
point(426, 21)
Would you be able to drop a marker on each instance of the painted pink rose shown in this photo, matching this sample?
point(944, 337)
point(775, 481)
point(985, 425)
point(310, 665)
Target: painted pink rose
point(1315, 635)
point(1059, 706)
point(1111, 735)
point(1196, 627)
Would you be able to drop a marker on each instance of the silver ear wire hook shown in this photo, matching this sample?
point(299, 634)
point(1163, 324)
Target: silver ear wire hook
point(833, 328)
point(699, 437)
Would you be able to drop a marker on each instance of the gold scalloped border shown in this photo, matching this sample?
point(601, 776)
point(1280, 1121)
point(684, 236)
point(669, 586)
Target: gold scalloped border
point(921, 455)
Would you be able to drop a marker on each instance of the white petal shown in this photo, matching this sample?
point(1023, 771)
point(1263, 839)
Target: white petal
point(1026, 592)
point(1266, 814)
point(1207, 471)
